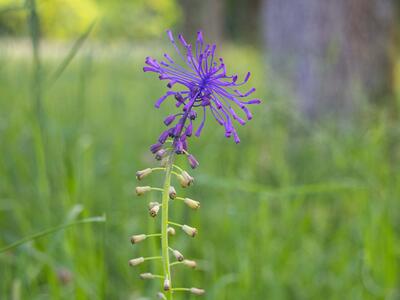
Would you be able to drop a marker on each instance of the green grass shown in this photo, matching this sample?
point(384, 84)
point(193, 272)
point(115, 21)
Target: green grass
point(295, 211)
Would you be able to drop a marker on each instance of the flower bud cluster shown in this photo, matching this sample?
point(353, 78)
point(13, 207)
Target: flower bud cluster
point(185, 180)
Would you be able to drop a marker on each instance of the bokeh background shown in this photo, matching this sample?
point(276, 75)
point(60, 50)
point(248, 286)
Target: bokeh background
point(306, 207)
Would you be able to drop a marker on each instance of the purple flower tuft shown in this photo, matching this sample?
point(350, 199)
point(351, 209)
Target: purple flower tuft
point(203, 85)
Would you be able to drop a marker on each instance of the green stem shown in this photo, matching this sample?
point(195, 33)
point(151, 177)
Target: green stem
point(164, 222)
point(153, 234)
point(175, 224)
point(152, 257)
point(177, 167)
point(181, 289)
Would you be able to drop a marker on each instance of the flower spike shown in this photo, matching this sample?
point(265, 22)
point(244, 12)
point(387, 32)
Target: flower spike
point(197, 87)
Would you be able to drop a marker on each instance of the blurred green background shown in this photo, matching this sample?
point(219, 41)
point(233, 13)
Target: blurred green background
point(306, 207)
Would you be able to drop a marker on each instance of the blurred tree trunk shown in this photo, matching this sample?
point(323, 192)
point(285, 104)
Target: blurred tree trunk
point(331, 53)
point(206, 15)
point(243, 21)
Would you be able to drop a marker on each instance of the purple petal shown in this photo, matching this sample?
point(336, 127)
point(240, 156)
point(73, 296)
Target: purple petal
point(161, 100)
point(168, 120)
point(200, 128)
point(236, 137)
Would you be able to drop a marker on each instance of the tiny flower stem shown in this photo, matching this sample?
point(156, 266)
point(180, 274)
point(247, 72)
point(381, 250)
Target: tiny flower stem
point(153, 234)
point(176, 174)
point(180, 198)
point(158, 169)
point(178, 168)
point(181, 289)
point(153, 257)
point(176, 263)
point(175, 224)
point(157, 189)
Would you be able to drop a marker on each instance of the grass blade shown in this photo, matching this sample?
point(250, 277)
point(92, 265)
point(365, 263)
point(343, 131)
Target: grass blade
point(98, 219)
point(71, 54)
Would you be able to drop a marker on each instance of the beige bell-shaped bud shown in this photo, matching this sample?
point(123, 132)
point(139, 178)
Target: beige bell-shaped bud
point(183, 181)
point(152, 204)
point(167, 285)
point(189, 178)
point(189, 263)
point(154, 210)
point(172, 192)
point(143, 173)
point(136, 261)
point(138, 238)
point(171, 231)
point(191, 231)
point(178, 255)
point(193, 204)
point(146, 276)
point(140, 190)
point(196, 291)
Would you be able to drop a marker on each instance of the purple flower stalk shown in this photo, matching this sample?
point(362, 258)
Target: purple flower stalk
point(202, 84)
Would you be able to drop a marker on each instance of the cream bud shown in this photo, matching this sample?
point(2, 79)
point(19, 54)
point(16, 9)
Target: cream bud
point(189, 178)
point(189, 230)
point(172, 192)
point(190, 263)
point(152, 204)
point(145, 276)
point(143, 173)
point(138, 238)
point(182, 180)
point(196, 291)
point(136, 261)
point(171, 231)
point(153, 211)
point(192, 203)
point(140, 190)
point(178, 255)
point(185, 179)
point(167, 285)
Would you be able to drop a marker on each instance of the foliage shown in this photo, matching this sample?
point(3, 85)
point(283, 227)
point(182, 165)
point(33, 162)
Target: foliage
point(139, 18)
point(68, 18)
point(295, 212)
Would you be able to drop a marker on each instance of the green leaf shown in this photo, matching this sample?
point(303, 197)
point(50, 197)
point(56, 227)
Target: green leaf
point(98, 219)
point(71, 54)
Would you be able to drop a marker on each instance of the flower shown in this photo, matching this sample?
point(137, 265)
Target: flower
point(203, 85)
point(197, 291)
point(193, 204)
point(136, 261)
point(189, 263)
point(191, 231)
point(138, 238)
point(143, 173)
